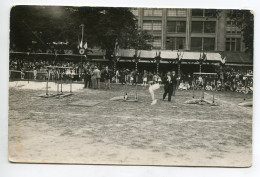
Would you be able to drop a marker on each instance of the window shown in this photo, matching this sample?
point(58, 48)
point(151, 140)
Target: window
point(157, 12)
point(233, 44)
point(197, 27)
point(207, 44)
point(232, 28)
point(148, 25)
point(157, 43)
point(134, 12)
point(197, 12)
point(204, 13)
point(210, 13)
point(176, 12)
point(157, 25)
point(172, 12)
point(152, 12)
point(152, 25)
point(209, 27)
point(203, 27)
point(196, 43)
point(176, 26)
point(175, 43)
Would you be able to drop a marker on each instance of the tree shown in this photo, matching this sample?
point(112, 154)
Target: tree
point(48, 24)
point(245, 20)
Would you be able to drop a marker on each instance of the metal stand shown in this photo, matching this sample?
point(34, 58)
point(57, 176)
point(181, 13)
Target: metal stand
point(201, 100)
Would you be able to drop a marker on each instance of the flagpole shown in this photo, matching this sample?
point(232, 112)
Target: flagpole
point(82, 32)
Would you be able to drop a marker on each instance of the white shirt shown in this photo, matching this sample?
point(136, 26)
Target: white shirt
point(169, 78)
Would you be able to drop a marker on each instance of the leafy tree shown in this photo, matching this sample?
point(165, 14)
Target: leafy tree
point(245, 20)
point(48, 24)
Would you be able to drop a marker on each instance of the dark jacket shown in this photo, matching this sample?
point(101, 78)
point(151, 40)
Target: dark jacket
point(173, 80)
point(106, 74)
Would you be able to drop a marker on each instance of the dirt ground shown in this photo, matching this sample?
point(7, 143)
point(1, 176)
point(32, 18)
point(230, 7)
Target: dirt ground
point(51, 130)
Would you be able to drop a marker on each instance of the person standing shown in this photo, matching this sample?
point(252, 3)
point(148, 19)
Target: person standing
point(145, 78)
point(117, 76)
point(107, 78)
point(94, 78)
point(174, 82)
point(168, 86)
point(87, 77)
point(34, 72)
point(98, 77)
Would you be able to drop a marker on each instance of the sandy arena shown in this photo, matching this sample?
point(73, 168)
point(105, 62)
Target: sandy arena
point(51, 130)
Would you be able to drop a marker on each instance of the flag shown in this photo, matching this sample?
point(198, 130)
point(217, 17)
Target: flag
point(116, 48)
point(139, 56)
point(78, 43)
point(81, 44)
point(179, 56)
point(203, 56)
point(223, 57)
point(223, 60)
point(86, 45)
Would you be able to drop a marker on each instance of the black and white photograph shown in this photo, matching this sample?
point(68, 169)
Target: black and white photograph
point(131, 86)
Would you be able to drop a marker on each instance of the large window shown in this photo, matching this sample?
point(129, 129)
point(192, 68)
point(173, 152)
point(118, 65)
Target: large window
point(197, 12)
point(197, 27)
point(157, 42)
point(209, 27)
point(148, 25)
point(175, 43)
point(196, 43)
point(176, 26)
point(233, 44)
point(176, 12)
point(203, 27)
point(204, 13)
point(152, 12)
point(207, 44)
point(157, 25)
point(152, 25)
point(210, 13)
point(232, 28)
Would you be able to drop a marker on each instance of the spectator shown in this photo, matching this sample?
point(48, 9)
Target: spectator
point(98, 76)
point(144, 78)
point(94, 77)
point(107, 76)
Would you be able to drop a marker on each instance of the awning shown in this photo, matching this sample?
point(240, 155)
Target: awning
point(169, 55)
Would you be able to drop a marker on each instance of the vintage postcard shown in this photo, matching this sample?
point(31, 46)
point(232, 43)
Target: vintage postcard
point(131, 86)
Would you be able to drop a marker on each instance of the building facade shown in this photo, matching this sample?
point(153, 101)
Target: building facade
point(190, 29)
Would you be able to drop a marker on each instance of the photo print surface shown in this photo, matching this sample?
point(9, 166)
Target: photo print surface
point(131, 86)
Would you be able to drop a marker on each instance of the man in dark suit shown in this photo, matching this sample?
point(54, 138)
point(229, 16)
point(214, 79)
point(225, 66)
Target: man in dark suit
point(174, 82)
point(168, 85)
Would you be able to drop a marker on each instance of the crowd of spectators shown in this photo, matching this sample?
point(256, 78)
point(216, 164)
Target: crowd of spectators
point(237, 80)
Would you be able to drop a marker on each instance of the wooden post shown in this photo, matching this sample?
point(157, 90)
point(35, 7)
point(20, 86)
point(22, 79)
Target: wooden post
point(136, 79)
point(193, 87)
point(70, 83)
point(179, 70)
point(245, 94)
point(61, 83)
point(47, 86)
point(28, 76)
point(115, 67)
